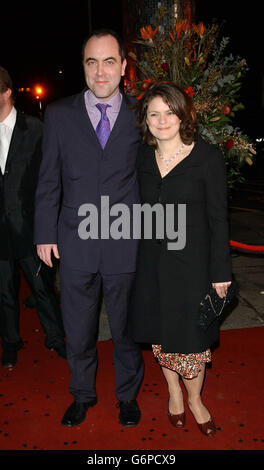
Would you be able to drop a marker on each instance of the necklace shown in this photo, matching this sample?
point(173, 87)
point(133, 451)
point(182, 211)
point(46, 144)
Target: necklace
point(169, 160)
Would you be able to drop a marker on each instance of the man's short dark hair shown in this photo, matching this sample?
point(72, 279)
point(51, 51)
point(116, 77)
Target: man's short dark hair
point(5, 80)
point(99, 33)
point(6, 83)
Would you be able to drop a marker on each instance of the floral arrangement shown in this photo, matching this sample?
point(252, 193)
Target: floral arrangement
point(190, 56)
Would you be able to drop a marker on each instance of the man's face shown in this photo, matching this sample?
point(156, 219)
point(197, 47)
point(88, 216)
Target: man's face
point(103, 66)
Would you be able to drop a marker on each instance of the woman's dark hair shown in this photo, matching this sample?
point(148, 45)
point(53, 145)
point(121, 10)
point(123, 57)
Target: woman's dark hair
point(178, 101)
point(99, 33)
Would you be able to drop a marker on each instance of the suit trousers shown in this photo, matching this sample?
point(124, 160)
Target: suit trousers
point(80, 292)
point(46, 302)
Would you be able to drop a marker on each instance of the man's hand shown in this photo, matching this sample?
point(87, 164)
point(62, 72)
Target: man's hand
point(45, 251)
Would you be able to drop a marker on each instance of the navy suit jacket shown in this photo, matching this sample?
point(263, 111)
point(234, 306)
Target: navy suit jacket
point(75, 170)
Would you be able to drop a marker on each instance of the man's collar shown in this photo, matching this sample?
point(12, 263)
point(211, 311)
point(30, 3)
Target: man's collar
point(114, 102)
point(10, 120)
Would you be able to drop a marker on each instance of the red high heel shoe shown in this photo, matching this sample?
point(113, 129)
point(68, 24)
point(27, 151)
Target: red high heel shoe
point(208, 428)
point(178, 421)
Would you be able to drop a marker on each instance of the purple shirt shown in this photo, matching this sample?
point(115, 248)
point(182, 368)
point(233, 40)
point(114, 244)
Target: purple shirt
point(94, 113)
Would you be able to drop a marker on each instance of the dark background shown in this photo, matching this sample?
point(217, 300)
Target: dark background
point(37, 40)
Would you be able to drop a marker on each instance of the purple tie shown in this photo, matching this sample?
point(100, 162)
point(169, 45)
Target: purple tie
point(103, 127)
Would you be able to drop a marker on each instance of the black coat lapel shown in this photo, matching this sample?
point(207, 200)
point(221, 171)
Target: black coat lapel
point(17, 136)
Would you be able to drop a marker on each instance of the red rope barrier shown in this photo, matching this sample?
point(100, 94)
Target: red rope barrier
point(243, 246)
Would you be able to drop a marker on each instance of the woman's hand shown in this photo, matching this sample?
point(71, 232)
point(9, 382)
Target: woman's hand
point(221, 288)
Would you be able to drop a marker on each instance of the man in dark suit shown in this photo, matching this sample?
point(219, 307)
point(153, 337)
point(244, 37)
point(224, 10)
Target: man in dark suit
point(20, 156)
point(89, 151)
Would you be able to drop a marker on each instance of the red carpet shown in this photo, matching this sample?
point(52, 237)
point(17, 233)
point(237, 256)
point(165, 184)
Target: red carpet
point(34, 396)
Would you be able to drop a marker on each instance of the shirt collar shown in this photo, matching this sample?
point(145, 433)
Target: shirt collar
point(114, 102)
point(10, 120)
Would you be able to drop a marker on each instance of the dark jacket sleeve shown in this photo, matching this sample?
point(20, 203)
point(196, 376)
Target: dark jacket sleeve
point(48, 192)
point(216, 204)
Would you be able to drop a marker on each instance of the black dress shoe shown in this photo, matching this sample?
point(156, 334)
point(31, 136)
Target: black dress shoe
point(9, 358)
point(76, 413)
point(130, 413)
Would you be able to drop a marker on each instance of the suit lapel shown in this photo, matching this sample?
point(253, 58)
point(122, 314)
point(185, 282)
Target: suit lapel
point(83, 120)
point(17, 137)
point(123, 119)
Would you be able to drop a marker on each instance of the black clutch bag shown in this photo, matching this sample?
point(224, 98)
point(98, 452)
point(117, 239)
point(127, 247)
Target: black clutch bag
point(212, 306)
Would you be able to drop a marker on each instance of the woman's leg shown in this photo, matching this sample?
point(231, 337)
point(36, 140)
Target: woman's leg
point(176, 404)
point(194, 388)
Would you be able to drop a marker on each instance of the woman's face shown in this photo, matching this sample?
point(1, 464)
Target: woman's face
point(163, 123)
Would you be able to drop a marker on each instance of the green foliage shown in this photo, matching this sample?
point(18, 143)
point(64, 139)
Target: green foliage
point(191, 56)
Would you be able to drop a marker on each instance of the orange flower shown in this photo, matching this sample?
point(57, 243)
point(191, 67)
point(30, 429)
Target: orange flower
point(180, 27)
point(146, 83)
point(171, 35)
point(199, 29)
point(148, 33)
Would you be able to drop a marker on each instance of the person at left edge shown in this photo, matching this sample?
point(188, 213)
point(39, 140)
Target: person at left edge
point(20, 156)
point(80, 167)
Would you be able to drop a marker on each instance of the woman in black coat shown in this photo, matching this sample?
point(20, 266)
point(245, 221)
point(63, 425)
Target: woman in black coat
point(176, 166)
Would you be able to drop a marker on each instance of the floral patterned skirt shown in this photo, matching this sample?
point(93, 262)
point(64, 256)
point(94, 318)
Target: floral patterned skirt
point(187, 365)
